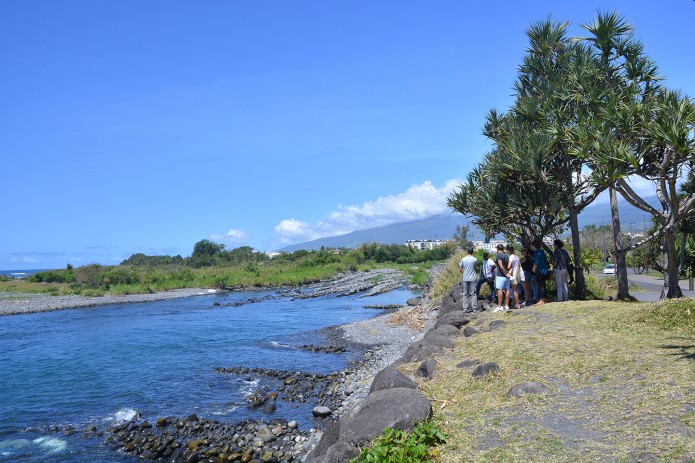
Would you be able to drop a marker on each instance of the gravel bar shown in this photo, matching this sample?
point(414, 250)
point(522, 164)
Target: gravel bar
point(15, 303)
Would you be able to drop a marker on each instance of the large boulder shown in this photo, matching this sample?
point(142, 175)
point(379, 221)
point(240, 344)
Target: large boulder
point(397, 408)
point(329, 437)
point(456, 319)
point(419, 351)
point(389, 378)
point(443, 330)
point(453, 300)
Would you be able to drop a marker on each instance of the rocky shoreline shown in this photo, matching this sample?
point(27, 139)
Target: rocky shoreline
point(193, 439)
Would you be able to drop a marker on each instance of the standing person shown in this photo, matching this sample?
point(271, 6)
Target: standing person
point(467, 267)
point(560, 261)
point(502, 279)
point(514, 274)
point(541, 269)
point(487, 276)
point(529, 283)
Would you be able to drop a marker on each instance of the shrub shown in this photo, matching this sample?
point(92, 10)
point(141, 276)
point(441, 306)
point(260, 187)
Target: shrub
point(396, 446)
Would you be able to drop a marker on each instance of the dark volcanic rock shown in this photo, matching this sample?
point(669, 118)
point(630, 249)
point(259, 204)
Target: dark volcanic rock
point(486, 369)
point(390, 378)
point(456, 318)
point(427, 369)
point(470, 331)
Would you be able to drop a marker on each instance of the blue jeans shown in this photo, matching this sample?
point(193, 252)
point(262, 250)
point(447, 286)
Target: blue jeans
point(531, 279)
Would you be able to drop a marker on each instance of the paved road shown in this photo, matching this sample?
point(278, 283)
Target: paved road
point(651, 287)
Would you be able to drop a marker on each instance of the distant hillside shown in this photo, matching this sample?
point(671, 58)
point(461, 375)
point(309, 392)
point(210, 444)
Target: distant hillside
point(442, 227)
point(438, 227)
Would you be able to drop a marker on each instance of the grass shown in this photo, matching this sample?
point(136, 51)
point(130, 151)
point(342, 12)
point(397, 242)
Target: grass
point(622, 377)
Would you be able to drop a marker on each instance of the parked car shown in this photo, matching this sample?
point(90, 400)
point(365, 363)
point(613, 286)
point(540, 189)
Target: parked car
point(609, 269)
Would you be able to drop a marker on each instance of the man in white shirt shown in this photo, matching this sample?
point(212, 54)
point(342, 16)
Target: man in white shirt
point(467, 267)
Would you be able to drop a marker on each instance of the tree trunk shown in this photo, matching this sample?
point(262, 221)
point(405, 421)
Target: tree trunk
point(671, 287)
point(618, 251)
point(579, 282)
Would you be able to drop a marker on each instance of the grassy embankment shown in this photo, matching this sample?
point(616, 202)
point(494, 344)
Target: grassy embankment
point(97, 280)
point(621, 375)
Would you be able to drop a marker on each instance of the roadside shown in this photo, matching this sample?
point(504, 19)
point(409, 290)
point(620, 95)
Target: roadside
point(651, 287)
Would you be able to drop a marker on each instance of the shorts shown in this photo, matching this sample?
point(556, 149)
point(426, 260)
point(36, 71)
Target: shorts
point(501, 283)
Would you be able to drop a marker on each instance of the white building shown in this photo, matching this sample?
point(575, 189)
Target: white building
point(490, 246)
point(424, 244)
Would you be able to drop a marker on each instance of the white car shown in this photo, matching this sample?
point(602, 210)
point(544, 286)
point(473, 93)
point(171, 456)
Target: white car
point(609, 270)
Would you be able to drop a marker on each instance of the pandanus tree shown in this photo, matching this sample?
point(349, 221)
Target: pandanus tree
point(609, 135)
point(665, 156)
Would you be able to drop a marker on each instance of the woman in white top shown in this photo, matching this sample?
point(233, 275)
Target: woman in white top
point(514, 274)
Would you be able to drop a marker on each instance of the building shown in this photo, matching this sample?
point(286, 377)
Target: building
point(490, 245)
point(424, 244)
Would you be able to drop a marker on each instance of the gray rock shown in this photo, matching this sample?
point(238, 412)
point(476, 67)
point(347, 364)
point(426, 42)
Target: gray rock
point(457, 319)
point(265, 434)
point(438, 338)
point(470, 331)
point(397, 408)
point(468, 363)
point(413, 301)
point(528, 388)
point(341, 452)
point(269, 407)
point(486, 369)
point(321, 412)
point(496, 324)
point(427, 369)
point(419, 351)
point(444, 330)
point(389, 378)
point(329, 437)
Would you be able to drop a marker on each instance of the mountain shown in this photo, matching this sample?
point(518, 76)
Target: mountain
point(443, 227)
point(438, 227)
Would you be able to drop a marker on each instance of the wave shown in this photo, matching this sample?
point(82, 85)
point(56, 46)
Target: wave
point(49, 445)
point(52, 444)
point(122, 415)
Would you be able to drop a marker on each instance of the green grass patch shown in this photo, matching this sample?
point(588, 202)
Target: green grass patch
point(396, 446)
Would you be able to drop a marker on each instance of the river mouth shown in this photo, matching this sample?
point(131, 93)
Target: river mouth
point(93, 367)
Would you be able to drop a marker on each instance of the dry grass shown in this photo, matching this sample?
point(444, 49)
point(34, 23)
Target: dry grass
point(414, 318)
point(622, 379)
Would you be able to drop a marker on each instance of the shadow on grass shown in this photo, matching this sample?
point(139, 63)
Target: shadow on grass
point(683, 352)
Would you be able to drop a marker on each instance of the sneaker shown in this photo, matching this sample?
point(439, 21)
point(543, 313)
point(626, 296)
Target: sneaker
point(498, 309)
point(506, 307)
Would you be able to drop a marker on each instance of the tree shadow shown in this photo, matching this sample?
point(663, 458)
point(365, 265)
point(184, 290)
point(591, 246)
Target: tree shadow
point(681, 351)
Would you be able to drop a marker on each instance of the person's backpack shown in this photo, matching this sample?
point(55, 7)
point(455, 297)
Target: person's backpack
point(568, 265)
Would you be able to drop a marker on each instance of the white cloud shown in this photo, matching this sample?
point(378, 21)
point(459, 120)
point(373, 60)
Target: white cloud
point(417, 202)
point(232, 236)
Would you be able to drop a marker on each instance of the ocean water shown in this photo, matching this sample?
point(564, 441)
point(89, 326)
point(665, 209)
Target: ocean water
point(20, 273)
point(98, 366)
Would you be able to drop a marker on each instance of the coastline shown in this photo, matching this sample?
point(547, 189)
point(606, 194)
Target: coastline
point(32, 303)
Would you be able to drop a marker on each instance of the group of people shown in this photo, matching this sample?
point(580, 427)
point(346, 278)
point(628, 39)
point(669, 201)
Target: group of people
point(512, 278)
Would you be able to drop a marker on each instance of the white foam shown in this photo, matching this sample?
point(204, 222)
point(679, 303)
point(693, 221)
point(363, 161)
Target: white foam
point(226, 411)
point(52, 444)
point(124, 414)
point(279, 344)
point(14, 444)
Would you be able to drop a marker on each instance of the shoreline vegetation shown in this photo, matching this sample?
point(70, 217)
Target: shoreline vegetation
point(212, 267)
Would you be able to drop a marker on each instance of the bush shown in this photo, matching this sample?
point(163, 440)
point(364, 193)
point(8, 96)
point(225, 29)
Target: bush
point(396, 446)
point(53, 276)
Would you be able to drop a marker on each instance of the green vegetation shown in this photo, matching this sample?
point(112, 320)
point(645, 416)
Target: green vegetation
point(212, 266)
point(589, 113)
point(396, 446)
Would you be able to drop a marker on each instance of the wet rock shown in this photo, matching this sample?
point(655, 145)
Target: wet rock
point(321, 412)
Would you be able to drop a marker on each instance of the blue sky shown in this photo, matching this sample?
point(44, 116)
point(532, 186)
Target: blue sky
point(146, 126)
